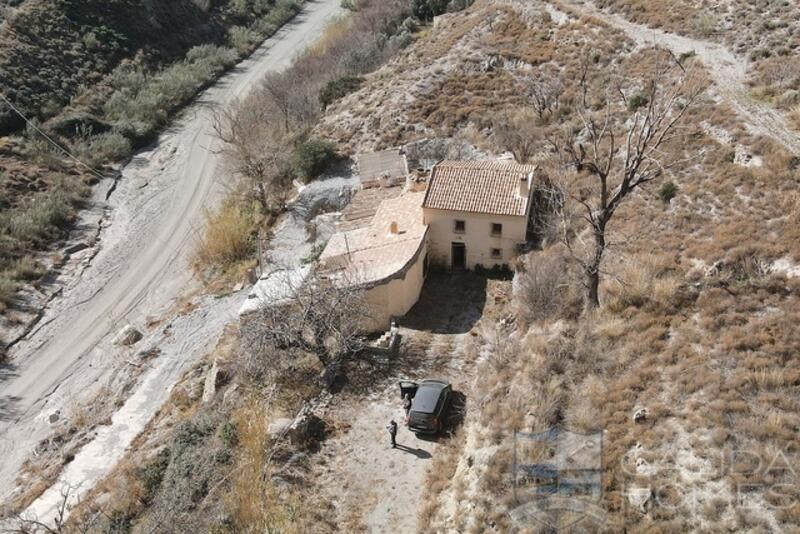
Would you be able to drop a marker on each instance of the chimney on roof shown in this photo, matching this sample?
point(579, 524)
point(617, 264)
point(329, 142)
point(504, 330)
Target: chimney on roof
point(525, 184)
point(393, 227)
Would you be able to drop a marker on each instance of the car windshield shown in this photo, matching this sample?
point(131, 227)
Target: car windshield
point(426, 398)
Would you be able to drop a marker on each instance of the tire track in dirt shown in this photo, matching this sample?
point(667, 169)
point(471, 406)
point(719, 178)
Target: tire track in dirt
point(143, 263)
point(728, 71)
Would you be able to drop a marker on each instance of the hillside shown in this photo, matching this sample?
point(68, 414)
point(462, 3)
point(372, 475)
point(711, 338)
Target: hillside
point(680, 375)
point(100, 78)
point(52, 51)
point(699, 294)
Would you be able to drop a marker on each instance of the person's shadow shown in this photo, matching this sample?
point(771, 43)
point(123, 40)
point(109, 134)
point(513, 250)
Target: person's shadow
point(419, 453)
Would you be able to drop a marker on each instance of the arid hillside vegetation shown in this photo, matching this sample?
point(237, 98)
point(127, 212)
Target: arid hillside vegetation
point(99, 79)
point(699, 283)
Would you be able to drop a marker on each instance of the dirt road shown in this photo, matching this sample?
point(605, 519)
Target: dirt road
point(373, 487)
point(728, 71)
point(141, 267)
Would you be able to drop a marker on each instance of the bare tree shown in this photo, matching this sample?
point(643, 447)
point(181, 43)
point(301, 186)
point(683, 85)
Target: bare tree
point(316, 316)
point(258, 147)
point(615, 151)
point(544, 93)
point(60, 522)
point(516, 131)
point(289, 93)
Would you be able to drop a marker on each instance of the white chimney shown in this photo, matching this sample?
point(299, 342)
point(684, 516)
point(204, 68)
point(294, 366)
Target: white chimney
point(525, 185)
point(393, 227)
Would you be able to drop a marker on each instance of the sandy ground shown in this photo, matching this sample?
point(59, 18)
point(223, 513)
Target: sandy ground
point(728, 71)
point(373, 487)
point(309, 222)
point(140, 268)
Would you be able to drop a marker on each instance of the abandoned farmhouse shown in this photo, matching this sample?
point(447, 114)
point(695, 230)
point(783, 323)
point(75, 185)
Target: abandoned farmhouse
point(470, 214)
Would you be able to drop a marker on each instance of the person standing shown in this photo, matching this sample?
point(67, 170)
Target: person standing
point(407, 403)
point(392, 428)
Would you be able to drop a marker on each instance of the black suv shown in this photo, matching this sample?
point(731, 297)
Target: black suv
point(429, 401)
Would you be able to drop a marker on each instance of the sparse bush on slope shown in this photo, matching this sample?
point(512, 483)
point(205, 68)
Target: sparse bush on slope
point(107, 78)
point(228, 238)
point(311, 157)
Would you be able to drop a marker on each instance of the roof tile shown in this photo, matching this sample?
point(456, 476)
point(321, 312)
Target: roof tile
point(478, 186)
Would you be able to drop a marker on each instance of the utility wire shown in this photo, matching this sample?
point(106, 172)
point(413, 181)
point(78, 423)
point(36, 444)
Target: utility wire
point(50, 139)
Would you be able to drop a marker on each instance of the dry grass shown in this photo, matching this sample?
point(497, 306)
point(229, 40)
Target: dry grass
point(759, 29)
point(639, 281)
point(228, 238)
point(253, 502)
point(439, 478)
point(695, 324)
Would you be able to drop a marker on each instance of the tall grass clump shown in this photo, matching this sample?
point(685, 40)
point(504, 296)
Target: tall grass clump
point(252, 499)
point(44, 215)
point(8, 288)
point(228, 238)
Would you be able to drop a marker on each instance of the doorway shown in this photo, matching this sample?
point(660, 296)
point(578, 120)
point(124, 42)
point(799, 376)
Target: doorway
point(459, 256)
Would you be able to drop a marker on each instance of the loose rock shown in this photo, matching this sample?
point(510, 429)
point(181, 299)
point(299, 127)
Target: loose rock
point(127, 336)
point(640, 415)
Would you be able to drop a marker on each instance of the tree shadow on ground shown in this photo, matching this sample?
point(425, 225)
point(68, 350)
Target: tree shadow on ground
point(450, 303)
point(366, 371)
point(7, 370)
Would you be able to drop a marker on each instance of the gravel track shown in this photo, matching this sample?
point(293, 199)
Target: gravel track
point(141, 268)
point(728, 71)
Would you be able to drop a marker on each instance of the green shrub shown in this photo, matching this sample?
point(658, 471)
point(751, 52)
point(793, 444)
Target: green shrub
point(667, 192)
point(42, 217)
point(100, 149)
point(243, 39)
point(26, 268)
point(228, 434)
point(310, 158)
point(636, 101)
point(427, 9)
point(153, 473)
point(191, 433)
point(316, 252)
point(145, 101)
point(339, 88)
point(730, 156)
point(8, 288)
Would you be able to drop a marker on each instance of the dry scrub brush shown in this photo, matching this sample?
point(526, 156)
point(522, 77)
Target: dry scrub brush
point(228, 237)
point(315, 317)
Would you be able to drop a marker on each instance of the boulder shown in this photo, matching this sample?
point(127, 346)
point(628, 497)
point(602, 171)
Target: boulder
point(211, 383)
point(278, 426)
point(639, 498)
point(640, 415)
point(128, 335)
point(307, 430)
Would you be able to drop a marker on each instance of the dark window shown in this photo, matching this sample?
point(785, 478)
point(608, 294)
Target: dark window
point(460, 227)
point(497, 253)
point(497, 229)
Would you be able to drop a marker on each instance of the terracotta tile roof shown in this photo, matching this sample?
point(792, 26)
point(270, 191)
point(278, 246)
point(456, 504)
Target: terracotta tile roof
point(479, 187)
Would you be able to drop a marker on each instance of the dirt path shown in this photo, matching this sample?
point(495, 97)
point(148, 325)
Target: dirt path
point(728, 71)
point(141, 267)
point(375, 488)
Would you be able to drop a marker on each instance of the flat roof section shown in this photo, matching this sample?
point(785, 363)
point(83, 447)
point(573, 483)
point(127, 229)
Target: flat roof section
point(382, 249)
